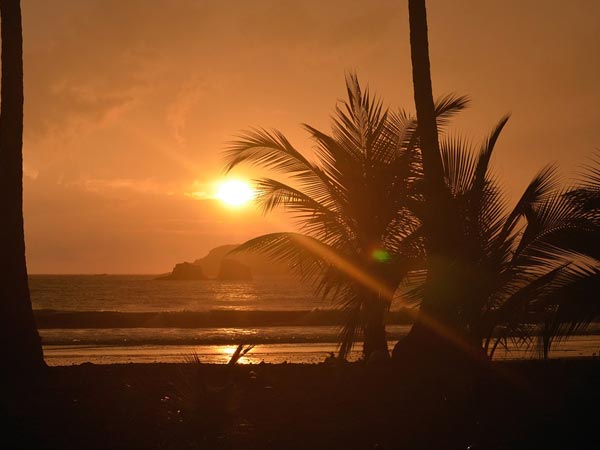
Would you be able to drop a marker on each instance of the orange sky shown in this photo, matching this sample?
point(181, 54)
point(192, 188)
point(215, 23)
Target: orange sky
point(130, 103)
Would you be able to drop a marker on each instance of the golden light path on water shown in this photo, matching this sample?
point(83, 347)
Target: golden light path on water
point(309, 353)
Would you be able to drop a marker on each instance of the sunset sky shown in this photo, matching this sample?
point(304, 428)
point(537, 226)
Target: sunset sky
point(130, 103)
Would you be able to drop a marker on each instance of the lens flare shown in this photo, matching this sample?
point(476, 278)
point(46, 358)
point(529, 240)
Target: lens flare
point(381, 255)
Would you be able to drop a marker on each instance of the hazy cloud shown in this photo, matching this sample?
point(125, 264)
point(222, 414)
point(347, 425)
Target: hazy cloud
point(130, 103)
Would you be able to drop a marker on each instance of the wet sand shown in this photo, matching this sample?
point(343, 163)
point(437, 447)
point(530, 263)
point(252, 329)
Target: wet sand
point(511, 405)
point(291, 352)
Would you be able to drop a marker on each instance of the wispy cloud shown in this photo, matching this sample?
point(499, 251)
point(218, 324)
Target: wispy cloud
point(189, 95)
point(142, 186)
point(200, 191)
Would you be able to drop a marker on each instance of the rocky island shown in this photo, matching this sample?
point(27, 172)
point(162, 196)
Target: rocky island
point(232, 270)
point(220, 264)
point(185, 271)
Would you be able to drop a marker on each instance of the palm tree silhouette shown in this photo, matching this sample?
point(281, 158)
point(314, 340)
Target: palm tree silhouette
point(352, 204)
point(435, 323)
point(20, 345)
point(511, 269)
point(488, 273)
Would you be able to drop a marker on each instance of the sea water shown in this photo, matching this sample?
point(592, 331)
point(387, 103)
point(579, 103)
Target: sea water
point(137, 318)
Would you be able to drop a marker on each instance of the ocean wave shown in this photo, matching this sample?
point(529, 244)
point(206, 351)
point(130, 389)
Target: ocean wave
point(48, 319)
point(205, 336)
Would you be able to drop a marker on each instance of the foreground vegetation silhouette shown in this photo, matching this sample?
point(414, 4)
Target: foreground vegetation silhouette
point(352, 204)
point(487, 271)
point(386, 198)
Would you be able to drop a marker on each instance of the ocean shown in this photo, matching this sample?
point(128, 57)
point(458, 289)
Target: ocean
point(135, 318)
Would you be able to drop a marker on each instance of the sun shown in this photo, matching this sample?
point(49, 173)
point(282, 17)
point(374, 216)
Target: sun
point(235, 192)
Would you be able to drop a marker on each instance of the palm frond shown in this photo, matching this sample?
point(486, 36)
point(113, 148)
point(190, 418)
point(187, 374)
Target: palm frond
point(542, 185)
point(269, 149)
point(480, 175)
point(586, 195)
point(544, 221)
point(448, 106)
point(351, 330)
point(458, 162)
point(575, 305)
point(288, 248)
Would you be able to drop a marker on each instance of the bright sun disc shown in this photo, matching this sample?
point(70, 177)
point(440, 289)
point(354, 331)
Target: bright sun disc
point(235, 192)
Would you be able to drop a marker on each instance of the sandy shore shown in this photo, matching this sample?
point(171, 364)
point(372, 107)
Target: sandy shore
point(295, 353)
point(514, 405)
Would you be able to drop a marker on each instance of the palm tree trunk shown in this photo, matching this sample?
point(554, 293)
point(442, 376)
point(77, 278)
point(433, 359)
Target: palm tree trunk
point(20, 344)
point(423, 93)
point(375, 338)
point(436, 308)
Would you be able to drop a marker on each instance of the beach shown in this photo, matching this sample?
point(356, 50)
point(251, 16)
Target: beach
point(510, 405)
point(137, 363)
point(296, 353)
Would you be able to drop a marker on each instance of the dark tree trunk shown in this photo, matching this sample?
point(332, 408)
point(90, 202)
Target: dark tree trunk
point(375, 337)
point(436, 327)
point(20, 345)
point(423, 93)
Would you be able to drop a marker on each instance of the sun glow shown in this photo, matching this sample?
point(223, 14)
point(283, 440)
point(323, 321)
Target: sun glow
point(235, 193)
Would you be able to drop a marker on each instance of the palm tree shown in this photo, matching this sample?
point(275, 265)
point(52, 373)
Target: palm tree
point(485, 275)
point(352, 205)
point(437, 321)
point(20, 345)
point(513, 269)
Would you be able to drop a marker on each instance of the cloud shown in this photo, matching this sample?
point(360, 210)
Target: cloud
point(129, 102)
point(199, 190)
point(141, 186)
point(177, 113)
